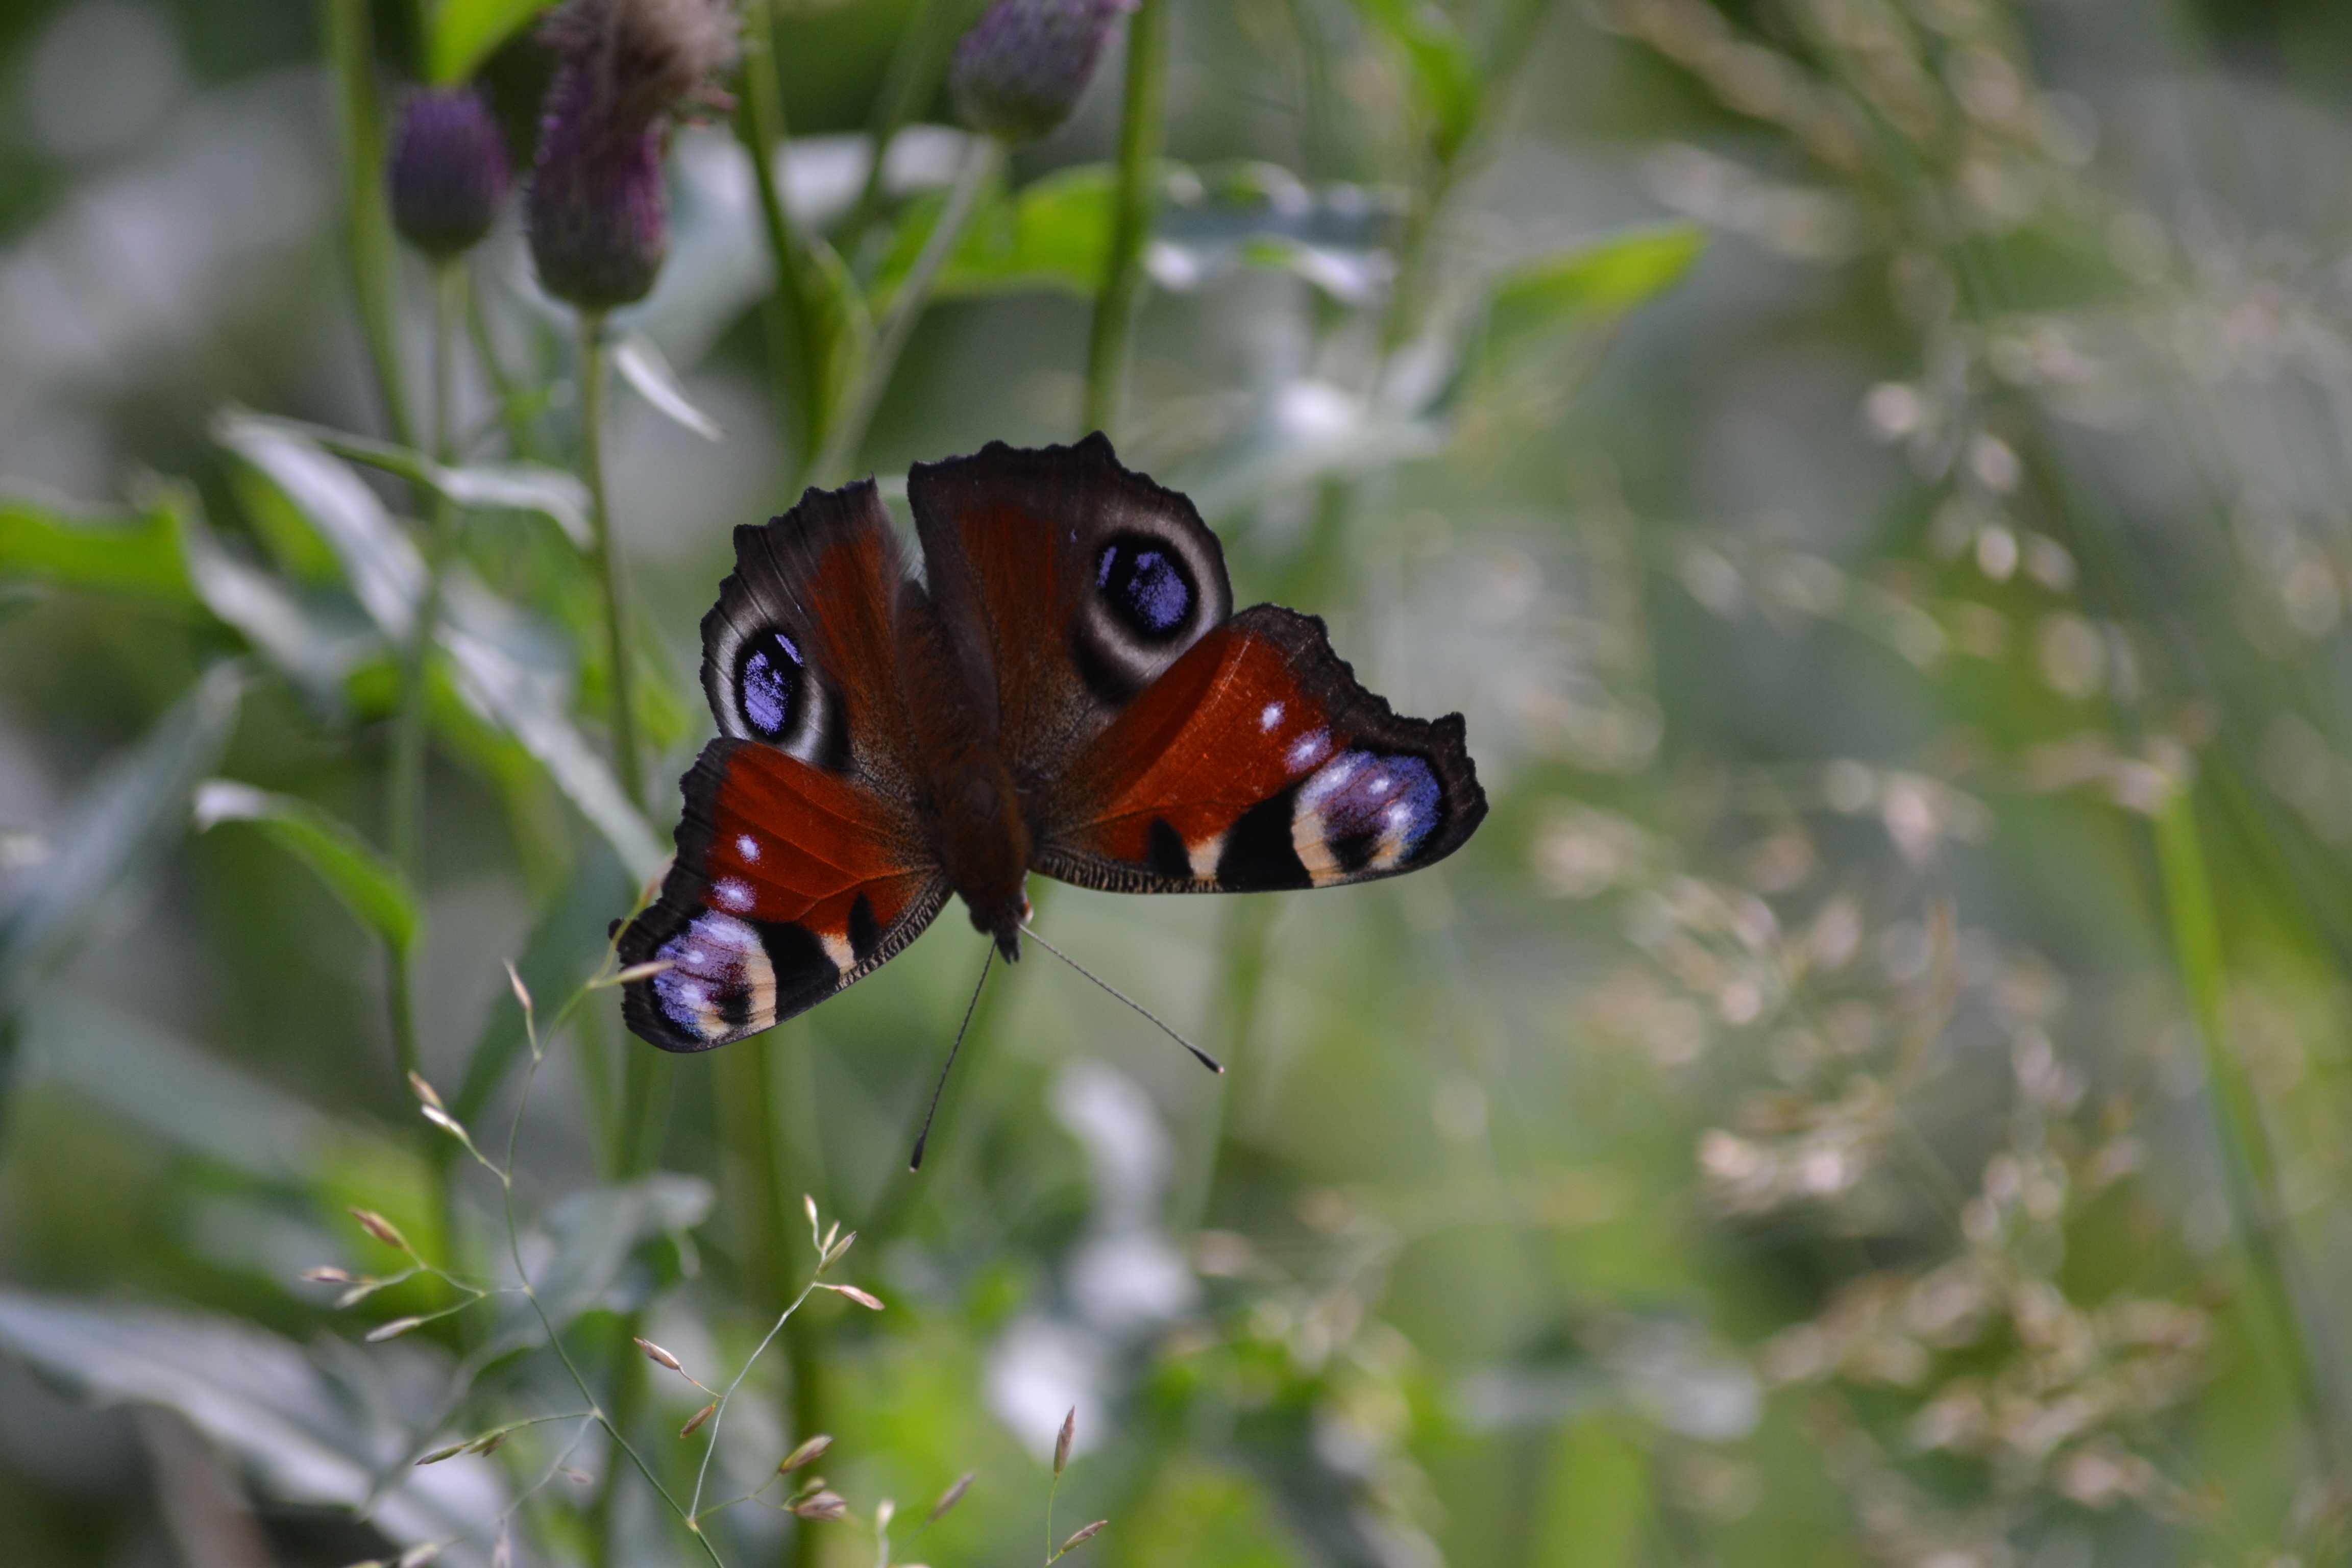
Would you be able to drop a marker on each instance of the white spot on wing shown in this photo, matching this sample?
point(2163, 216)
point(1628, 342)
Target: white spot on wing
point(1270, 717)
point(836, 948)
point(1308, 750)
point(733, 893)
point(1203, 857)
point(747, 848)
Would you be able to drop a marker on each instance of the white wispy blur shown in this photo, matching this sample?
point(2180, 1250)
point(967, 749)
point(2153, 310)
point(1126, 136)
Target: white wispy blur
point(1123, 1280)
point(202, 220)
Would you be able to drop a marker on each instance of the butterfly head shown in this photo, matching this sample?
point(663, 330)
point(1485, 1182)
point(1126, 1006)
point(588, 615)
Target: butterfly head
point(1004, 923)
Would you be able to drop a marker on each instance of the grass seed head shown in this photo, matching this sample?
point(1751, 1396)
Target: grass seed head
point(1062, 1444)
point(823, 1505)
point(950, 1497)
point(697, 1418)
point(382, 1229)
point(809, 1451)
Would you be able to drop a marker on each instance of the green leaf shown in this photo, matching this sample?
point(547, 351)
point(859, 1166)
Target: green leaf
point(175, 1090)
point(46, 542)
point(1342, 238)
point(564, 951)
point(1599, 281)
point(1448, 87)
point(558, 495)
point(133, 811)
point(317, 646)
point(462, 34)
point(1055, 234)
point(369, 886)
point(532, 706)
point(1548, 318)
point(367, 215)
point(334, 1428)
point(643, 366)
point(843, 325)
point(273, 519)
point(590, 1251)
point(380, 564)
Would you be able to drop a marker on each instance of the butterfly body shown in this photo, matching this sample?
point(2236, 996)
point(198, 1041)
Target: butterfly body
point(1067, 690)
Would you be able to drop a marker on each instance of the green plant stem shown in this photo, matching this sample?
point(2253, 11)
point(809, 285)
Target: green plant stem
point(1409, 300)
point(643, 1112)
point(748, 1121)
point(797, 348)
point(400, 999)
point(2250, 1162)
point(1142, 130)
point(619, 678)
point(616, 1422)
point(915, 69)
point(409, 744)
point(631, 1377)
point(803, 1354)
point(847, 430)
point(764, 1155)
point(367, 217)
point(512, 412)
point(638, 1124)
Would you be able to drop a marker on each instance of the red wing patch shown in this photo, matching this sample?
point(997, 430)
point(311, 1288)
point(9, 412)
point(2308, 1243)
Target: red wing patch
point(789, 883)
point(1257, 761)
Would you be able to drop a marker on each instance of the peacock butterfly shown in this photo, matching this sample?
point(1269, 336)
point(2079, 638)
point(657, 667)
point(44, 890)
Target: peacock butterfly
point(1067, 690)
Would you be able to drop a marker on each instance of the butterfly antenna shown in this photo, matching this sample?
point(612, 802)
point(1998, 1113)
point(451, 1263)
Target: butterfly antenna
point(937, 1089)
point(1203, 1058)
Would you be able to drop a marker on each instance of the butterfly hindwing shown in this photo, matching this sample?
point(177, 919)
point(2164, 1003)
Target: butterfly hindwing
point(1068, 584)
point(789, 885)
point(1256, 761)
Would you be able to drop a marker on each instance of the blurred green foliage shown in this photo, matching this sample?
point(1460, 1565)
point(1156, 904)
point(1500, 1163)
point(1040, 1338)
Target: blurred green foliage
point(1872, 473)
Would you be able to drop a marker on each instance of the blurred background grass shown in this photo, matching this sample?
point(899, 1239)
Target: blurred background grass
point(1871, 471)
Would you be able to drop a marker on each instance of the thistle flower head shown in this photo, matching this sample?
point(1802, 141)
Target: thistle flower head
point(1024, 66)
point(447, 170)
point(598, 217)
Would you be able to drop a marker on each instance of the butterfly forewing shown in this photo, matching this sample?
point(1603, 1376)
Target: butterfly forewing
point(1256, 761)
point(1068, 584)
point(801, 651)
point(803, 856)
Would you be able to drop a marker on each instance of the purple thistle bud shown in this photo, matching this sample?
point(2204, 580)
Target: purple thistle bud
point(1024, 66)
point(596, 212)
point(447, 170)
